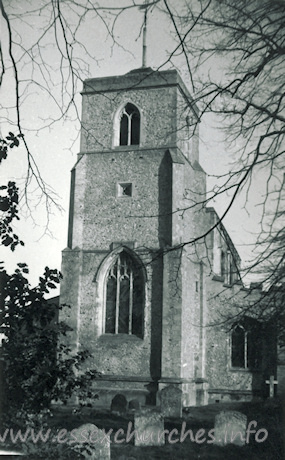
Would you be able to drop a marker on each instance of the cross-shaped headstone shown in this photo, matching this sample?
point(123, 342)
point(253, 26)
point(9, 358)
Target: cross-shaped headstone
point(271, 382)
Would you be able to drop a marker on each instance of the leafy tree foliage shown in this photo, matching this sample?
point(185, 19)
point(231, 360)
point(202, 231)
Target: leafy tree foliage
point(9, 202)
point(39, 367)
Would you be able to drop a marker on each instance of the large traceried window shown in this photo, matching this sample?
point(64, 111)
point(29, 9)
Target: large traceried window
point(129, 125)
point(124, 297)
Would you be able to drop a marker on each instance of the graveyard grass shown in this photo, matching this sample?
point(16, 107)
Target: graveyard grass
point(267, 414)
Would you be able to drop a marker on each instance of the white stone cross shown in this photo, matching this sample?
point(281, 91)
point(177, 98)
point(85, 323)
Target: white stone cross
point(271, 382)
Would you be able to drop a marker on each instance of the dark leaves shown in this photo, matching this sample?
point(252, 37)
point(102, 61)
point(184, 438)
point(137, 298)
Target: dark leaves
point(9, 141)
point(9, 202)
point(4, 203)
point(39, 365)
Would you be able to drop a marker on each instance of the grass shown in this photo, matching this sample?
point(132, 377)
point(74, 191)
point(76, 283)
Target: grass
point(268, 416)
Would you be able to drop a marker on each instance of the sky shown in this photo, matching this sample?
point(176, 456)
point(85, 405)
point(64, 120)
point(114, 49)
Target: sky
point(56, 146)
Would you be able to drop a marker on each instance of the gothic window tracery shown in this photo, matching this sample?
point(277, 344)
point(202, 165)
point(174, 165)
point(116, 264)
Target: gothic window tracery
point(129, 125)
point(124, 297)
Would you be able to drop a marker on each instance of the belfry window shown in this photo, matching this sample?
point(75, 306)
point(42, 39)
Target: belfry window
point(124, 297)
point(130, 125)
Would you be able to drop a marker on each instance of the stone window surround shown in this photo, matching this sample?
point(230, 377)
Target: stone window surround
point(116, 125)
point(101, 285)
point(245, 343)
point(226, 275)
point(248, 368)
point(123, 287)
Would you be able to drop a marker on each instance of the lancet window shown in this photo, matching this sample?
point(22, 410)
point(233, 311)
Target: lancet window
point(246, 345)
point(129, 125)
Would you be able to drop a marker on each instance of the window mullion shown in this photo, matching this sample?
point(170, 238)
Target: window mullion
point(131, 303)
point(118, 296)
point(245, 350)
point(129, 128)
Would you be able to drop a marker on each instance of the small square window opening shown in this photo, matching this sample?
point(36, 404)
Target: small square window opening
point(125, 189)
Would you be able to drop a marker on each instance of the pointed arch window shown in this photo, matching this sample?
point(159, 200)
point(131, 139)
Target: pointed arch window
point(239, 347)
point(246, 343)
point(124, 297)
point(129, 125)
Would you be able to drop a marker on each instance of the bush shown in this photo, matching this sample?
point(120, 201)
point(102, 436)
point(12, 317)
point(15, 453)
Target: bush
point(38, 366)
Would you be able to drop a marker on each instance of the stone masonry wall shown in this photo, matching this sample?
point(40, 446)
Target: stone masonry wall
point(98, 207)
point(181, 291)
point(101, 217)
point(112, 354)
point(158, 123)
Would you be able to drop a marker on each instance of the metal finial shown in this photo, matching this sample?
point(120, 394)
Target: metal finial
point(145, 8)
point(144, 39)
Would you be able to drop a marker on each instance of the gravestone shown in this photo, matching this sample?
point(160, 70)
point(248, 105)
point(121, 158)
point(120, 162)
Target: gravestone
point(230, 428)
point(171, 401)
point(149, 427)
point(119, 404)
point(134, 405)
point(91, 442)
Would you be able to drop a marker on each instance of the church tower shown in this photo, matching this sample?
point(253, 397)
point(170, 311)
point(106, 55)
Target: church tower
point(131, 294)
point(147, 264)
